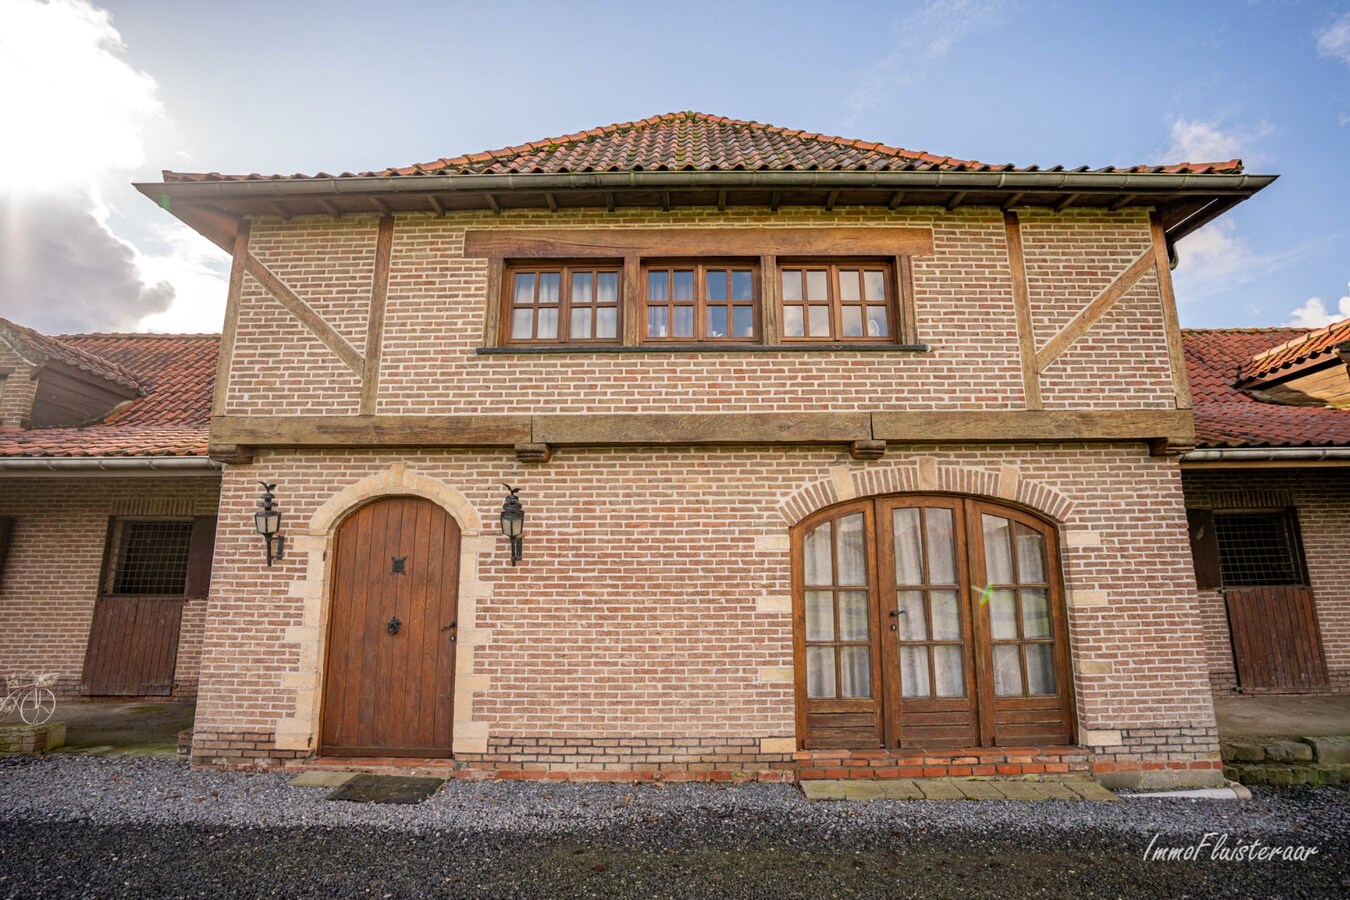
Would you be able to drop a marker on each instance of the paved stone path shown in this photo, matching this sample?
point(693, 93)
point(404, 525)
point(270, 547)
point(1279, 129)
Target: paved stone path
point(958, 789)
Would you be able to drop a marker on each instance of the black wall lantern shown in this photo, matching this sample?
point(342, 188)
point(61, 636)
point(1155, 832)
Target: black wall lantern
point(267, 521)
point(513, 521)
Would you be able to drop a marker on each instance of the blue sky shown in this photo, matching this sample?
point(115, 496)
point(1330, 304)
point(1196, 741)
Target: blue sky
point(286, 87)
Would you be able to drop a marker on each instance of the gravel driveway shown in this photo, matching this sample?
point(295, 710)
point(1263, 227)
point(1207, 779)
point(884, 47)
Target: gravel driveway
point(140, 827)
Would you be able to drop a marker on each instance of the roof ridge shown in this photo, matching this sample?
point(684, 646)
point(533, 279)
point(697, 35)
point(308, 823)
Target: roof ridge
point(1303, 338)
point(1261, 329)
point(74, 356)
point(184, 335)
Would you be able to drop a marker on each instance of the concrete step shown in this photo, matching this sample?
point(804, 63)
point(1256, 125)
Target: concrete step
point(1280, 761)
point(977, 789)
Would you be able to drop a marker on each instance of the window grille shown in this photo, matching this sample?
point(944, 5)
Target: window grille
point(1258, 549)
point(151, 557)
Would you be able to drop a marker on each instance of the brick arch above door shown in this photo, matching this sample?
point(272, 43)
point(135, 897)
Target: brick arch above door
point(847, 482)
point(299, 730)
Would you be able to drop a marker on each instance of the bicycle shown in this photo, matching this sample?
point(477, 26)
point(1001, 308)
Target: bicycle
point(30, 694)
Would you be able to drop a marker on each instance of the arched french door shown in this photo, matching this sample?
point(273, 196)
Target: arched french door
point(929, 621)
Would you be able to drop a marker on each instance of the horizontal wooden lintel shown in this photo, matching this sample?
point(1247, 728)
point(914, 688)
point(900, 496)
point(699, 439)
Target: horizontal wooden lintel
point(1171, 427)
point(527, 243)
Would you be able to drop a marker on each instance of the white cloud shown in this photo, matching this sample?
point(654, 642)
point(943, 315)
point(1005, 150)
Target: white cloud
point(197, 269)
point(926, 37)
point(1314, 313)
point(1195, 140)
point(77, 114)
point(1334, 40)
point(1217, 259)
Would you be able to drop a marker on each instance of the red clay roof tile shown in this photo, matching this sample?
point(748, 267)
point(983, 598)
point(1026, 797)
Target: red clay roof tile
point(1306, 346)
point(29, 344)
point(1226, 416)
point(176, 374)
point(695, 141)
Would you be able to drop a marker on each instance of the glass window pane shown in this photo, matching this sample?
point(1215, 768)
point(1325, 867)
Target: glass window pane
point(1007, 670)
point(819, 615)
point(853, 624)
point(914, 672)
point(657, 286)
point(908, 556)
point(878, 321)
point(548, 322)
point(581, 323)
point(852, 321)
point(820, 321)
point(817, 285)
point(820, 672)
point(550, 287)
point(656, 322)
point(874, 285)
point(792, 321)
point(848, 286)
point(684, 285)
point(717, 321)
point(742, 285)
point(1040, 669)
point(941, 546)
point(607, 322)
point(1030, 554)
point(949, 676)
point(583, 288)
point(607, 287)
point(913, 626)
point(997, 551)
point(855, 671)
point(743, 321)
point(522, 321)
point(524, 291)
point(1003, 614)
point(946, 616)
point(792, 284)
point(1035, 613)
point(717, 284)
point(816, 550)
point(684, 321)
point(851, 554)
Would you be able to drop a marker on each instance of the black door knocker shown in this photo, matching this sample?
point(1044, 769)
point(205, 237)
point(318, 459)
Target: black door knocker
point(393, 625)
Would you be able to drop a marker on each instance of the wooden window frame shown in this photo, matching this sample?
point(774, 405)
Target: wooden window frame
point(701, 301)
point(565, 268)
point(891, 273)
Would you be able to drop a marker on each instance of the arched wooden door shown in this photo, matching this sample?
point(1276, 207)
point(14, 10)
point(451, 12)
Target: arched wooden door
point(390, 671)
point(929, 621)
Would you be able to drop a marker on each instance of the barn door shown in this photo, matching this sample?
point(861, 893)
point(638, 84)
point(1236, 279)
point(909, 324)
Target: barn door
point(152, 566)
point(389, 678)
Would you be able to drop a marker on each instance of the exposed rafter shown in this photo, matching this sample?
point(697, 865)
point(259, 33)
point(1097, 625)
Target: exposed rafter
point(551, 200)
point(955, 200)
point(436, 204)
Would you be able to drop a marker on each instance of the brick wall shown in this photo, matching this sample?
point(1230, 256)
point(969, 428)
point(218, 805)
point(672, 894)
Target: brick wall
point(17, 389)
point(650, 602)
point(51, 578)
point(1321, 498)
point(436, 310)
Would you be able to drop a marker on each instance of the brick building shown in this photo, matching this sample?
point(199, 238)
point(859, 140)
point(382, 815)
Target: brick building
point(107, 508)
point(834, 458)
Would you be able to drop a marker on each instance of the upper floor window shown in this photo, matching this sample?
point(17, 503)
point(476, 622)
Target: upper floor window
point(698, 302)
point(845, 301)
point(563, 303)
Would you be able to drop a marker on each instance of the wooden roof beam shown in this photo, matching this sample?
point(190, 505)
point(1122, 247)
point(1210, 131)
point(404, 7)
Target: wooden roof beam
point(1013, 201)
point(955, 201)
point(436, 205)
point(830, 200)
point(665, 200)
point(609, 201)
point(381, 206)
point(493, 204)
point(551, 200)
point(722, 200)
point(330, 207)
point(1121, 202)
point(1066, 201)
point(896, 199)
point(775, 200)
point(277, 209)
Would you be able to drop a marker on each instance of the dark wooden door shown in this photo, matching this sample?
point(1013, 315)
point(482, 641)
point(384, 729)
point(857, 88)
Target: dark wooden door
point(133, 646)
point(389, 678)
point(1277, 644)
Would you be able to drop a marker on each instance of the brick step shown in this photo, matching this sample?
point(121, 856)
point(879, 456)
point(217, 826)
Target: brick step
point(1287, 760)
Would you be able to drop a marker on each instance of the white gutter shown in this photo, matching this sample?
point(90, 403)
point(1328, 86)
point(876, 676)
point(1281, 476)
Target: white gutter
point(89, 465)
point(1267, 454)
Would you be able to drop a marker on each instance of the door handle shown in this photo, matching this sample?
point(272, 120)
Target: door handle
point(453, 624)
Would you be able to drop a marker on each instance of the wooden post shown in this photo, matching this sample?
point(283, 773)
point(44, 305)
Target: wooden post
point(379, 293)
point(231, 324)
point(1176, 353)
point(768, 268)
point(632, 300)
point(1026, 336)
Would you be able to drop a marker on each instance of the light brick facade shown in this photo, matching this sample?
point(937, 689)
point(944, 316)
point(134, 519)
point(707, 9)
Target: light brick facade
point(50, 581)
point(1320, 498)
point(648, 631)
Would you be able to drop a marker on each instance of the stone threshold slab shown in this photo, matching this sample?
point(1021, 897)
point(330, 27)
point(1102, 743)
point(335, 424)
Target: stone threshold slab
point(1072, 789)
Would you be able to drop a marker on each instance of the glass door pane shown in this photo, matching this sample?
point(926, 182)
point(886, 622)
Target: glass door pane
point(837, 607)
point(1017, 596)
point(927, 612)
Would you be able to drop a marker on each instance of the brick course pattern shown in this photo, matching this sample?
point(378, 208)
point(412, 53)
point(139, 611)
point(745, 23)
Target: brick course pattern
point(623, 625)
point(1321, 498)
point(51, 576)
